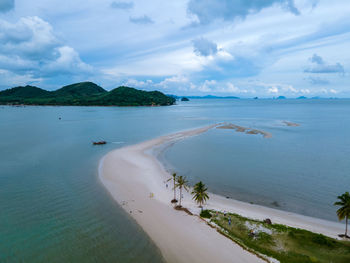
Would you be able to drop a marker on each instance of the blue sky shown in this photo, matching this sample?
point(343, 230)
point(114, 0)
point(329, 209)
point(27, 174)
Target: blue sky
point(185, 47)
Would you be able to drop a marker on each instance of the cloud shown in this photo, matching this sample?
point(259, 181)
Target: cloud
point(6, 5)
point(137, 83)
point(30, 47)
point(207, 86)
point(122, 5)
point(10, 79)
point(327, 91)
point(144, 20)
point(317, 81)
point(320, 66)
point(229, 10)
point(273, 90)
point(68, 62)
point(204, 47)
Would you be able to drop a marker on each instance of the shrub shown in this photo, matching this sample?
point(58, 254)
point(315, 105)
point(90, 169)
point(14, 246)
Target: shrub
point(205, 214)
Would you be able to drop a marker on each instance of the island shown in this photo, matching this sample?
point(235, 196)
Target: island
point(84, 94)
point(184, 99)
point(281, 98)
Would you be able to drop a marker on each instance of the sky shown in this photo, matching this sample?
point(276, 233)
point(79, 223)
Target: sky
point(244, 48)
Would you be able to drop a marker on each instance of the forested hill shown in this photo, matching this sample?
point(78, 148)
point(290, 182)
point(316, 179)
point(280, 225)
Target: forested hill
point(84, 94)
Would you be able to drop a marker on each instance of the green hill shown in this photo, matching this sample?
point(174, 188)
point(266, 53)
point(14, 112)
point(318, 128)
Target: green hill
point(25, 92)
point(79, 89)
point(126, 96)
point(84, 94)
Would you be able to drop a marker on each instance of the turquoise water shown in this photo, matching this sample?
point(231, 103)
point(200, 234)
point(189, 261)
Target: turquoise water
point(300, 169)
point(54, 209)
point(52, 206)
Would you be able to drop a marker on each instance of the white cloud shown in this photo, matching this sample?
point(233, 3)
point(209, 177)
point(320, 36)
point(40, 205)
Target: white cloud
point(273, 90)
point(320, 66)
point(262, 40)
point(31, 47)
point(68, 62)
point(207, 86)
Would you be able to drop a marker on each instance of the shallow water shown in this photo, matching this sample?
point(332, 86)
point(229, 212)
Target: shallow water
point(300, 169)
point(54, 209)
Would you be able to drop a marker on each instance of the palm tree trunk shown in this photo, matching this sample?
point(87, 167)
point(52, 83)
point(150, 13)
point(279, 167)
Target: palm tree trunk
point(346, 226)
point(180, 195)
point(174, 190)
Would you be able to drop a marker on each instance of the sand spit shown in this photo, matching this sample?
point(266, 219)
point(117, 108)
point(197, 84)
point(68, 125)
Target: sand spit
point(135, 179)
point(245, 130)
point(138, 182)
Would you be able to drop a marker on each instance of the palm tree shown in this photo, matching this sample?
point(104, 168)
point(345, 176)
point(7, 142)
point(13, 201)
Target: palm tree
point(174, 180)
point(181, 182)
point(200, 194)
point(344, 210)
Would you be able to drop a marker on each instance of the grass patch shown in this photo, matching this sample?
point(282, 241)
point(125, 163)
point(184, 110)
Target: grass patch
point(205, 214)
point(286, 244)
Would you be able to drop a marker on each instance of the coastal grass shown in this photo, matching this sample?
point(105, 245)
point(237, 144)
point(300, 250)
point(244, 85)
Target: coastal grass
point(286, 244)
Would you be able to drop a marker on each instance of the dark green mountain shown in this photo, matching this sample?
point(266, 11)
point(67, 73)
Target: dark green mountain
point(79, 89)
point(24, 92)
point(84, 94)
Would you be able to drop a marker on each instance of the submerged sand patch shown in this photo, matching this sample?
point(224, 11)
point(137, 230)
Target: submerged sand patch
point(245, 130)
point(291, 124)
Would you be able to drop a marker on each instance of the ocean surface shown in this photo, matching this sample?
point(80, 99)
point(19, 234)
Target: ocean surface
point(299, 169)
point(54, 209)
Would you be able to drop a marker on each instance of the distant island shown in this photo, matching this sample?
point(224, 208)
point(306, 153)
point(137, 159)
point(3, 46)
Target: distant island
point(202, 97)
point(84, 94)
point(184, 99)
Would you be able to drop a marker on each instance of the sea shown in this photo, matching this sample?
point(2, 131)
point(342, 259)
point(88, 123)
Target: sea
point(53, 208)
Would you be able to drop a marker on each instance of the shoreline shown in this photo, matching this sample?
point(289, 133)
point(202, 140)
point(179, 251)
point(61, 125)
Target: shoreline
point(136, 179)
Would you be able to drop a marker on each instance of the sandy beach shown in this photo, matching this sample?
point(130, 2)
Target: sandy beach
point(137, 181)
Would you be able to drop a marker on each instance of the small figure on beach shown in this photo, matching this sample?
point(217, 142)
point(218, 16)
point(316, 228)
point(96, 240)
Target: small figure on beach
point(151, 195)
point(229, 221)
point(166, 185)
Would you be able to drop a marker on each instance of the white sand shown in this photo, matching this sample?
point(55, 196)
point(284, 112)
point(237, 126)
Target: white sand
point(132, 173)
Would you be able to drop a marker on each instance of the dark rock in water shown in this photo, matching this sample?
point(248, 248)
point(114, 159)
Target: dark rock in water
point(184, 99)
point(268, 221)
point(227, 197)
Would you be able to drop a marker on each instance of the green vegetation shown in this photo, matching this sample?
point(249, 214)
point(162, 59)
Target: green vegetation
point(181, 182)
point(84, 94)
point(205, 214)
point(79, 90)
point(199, 193)
point(344, 210)
point(286, 244)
